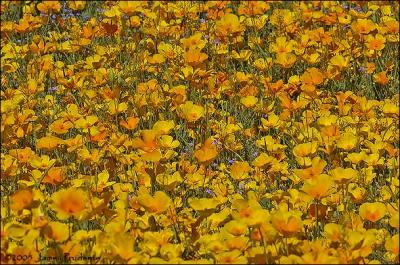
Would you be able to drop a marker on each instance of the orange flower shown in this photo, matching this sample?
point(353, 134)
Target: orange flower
point(318, 187)
point(305, 149)
point(372, 211)
point(49, 142)
point(229, 25)
point(147, 142)
point(317, 166)
point(363, 26)
point(249, 212)
point(190, 112)
point(392, 244)
point(69, 202)
point(376, 43)
point(22, 155)
point(381, 78)
point(343, 175)
point(286, 60)
point(131, 123)
point(207, 153)
point(158, 203)
point(49, 6)
point(76, 5)
point(287, 223)
point(60, 126)
point(249, 101)
point(236, 227)
point(347, 141)
point(21, 199)
point(57, 231)
point(204, 204)
point(240, 170)
point(231, 257)
point(55, 175)
point(194, 57)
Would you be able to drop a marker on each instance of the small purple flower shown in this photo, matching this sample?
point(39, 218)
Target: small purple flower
point(345, 6)
point(361, 69)
point(327, 11)
point(346, 27)
point(316, 8)
point(231, 161)
point(241, 186)
point(266, 116)
point(130, 196)
point(358, 9)
point(255, 154)
point(207, 36)
point(52, 89)
point(216, 41)
point(210, 192)
point(202, 20)
point(215, 141)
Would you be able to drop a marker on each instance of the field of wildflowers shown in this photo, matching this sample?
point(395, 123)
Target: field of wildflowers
point(207, 132)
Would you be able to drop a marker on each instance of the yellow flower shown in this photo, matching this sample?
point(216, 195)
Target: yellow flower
point(57, 231)
point(249, 101)
point(363, 26)
point(190, 111)
point(317, 166)
point(22, 199)
point(69, 202)
point(305, 149)
point(158, 203)
point(318, 187)
point(347, 141)
point(376, 43)
point(194, 57)
point(288, 223)
point(208, 152)
point(343, 175)
point(240, 170)
point(372, 211)
point(231, 257)
point(203, 204)
point(392, 244)
point(169, 181)
point(281, 46)
point(131, 123)
point(229, 25)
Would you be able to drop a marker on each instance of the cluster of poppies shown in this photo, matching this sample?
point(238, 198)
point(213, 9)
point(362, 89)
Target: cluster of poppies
point(206, 132)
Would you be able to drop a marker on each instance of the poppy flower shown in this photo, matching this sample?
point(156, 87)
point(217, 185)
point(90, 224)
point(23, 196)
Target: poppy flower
point(375, 43)
point(287, 223)
point(157, 204)
point(231, 257)
point(343, 175)
point(57, 231)
point(318, 187)
point(347, 141)
point(130, 124)
point(22, 199)
point(49, 142)
point(372, 211)
point(69, 202)
point(228, 25)
point(207, 153)
point(240, 170)
point(381, 78)
point(363, 26)
point(190, 111)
